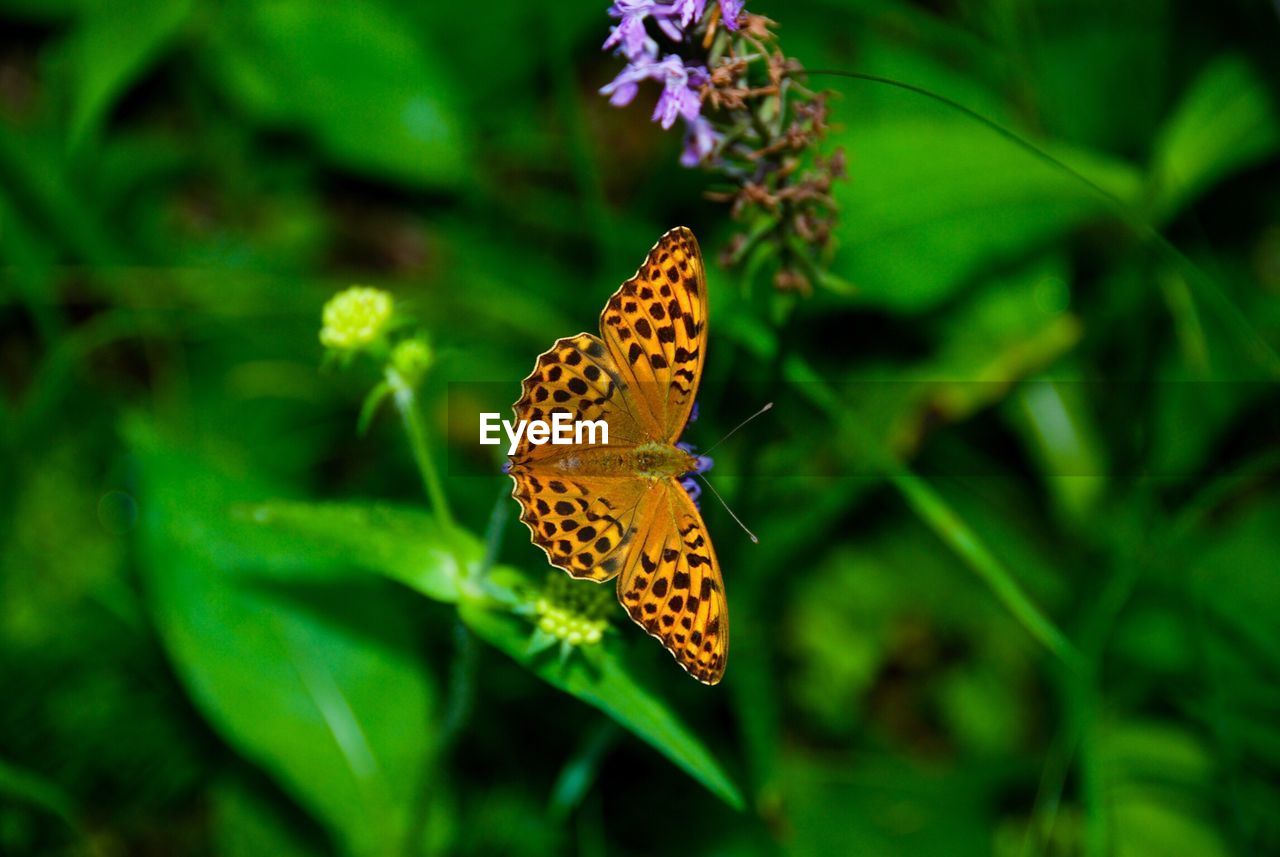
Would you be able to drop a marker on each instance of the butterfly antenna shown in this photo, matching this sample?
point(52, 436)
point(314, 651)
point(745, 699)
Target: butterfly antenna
point(733, 431)
point(726, 505)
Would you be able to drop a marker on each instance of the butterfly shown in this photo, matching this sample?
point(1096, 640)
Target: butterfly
point(618, 510)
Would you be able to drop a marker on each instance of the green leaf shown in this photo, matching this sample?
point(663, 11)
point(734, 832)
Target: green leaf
point(1155, 783)
point(1235, 577)
point(114, 45)
point(603, 682)
point(404, 544)
point(1055, 422)
point(313, 676)
point(935, 200)
point(1195, 407)
point(56, 11)
point(1225, 123)
point(580, 771)
point(369, 407)
point(932, 508)
point(353, 77)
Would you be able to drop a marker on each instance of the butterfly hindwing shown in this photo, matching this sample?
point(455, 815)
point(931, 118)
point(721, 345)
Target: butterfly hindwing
point(655, 329)
point(671, 586)
point(583, 524)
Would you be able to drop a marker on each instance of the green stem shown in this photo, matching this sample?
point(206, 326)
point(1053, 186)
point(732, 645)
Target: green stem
point(407, 404)
point(1092, 792)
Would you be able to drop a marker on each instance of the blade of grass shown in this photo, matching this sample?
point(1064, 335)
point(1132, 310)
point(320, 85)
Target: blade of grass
point(933, 509)
point(947, 524)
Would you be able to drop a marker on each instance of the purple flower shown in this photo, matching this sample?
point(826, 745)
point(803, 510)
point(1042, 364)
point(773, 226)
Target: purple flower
point(623, 88)
point(730, 10)
point(688, 10)
point(669, 28)
point(631, 33)
point(680, 84)
point(632, 38)
point(702, 465)
point(680, 95)
point(700, 140)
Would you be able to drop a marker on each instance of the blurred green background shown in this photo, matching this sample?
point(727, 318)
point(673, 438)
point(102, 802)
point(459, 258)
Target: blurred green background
point(1017, 587)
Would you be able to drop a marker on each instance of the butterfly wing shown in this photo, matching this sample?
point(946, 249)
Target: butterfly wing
point(670, 582)
point(582, 522)
point(578, 377)
point(655, 330)
point(585, 525)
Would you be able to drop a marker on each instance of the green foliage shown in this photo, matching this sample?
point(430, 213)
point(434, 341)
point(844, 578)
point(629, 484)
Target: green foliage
point(339, 707)
point(1015, 592)
point(950, 201)
point(350, 76)
point(1224, 123)
point(599, 677)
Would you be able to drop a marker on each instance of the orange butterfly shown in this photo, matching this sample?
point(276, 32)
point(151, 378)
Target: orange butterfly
point(619, 510)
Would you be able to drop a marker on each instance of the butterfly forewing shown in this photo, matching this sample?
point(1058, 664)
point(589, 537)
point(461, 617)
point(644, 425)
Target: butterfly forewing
point(576, 376)
point(655, 328)
point(581, 522)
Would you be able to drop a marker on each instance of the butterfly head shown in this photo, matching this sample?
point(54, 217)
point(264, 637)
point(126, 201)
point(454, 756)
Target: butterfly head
point(701, 464)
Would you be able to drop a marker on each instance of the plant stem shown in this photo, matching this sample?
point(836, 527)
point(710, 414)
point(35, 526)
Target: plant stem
point(407, 404)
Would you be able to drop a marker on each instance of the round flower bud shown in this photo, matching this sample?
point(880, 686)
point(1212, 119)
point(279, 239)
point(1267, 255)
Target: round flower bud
point(572, 611)
point(355, 318)
point(411, 358)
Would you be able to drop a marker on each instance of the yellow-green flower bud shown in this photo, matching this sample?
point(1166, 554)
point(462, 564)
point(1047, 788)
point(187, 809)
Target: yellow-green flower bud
point(572, 610)
point(411, 358)
point(355, 318)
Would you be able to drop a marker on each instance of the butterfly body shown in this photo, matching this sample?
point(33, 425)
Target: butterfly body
point(652, 460)
point(618, 509)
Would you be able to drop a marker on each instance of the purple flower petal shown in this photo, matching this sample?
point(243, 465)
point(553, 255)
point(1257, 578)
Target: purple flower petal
point(690, 11)
point(623, 87)
point(670, 29)
point(693, 489)
point(621, 91)
point(730, 10)
point(632, 40)
point(680, 97)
